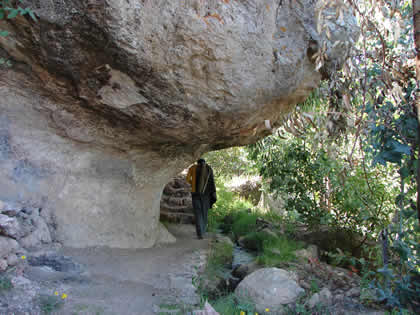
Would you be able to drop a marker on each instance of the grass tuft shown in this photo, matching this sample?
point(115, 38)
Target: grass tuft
point(5, 284)
point(277, 251)
point(50, 303)
point(232, 305)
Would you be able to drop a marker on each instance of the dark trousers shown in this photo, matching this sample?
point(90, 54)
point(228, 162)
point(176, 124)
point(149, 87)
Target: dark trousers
point(201, 205)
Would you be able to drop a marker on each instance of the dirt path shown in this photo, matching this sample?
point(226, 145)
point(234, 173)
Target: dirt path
point(116, 281)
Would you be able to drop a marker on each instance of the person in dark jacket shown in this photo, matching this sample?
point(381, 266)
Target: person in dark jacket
point(203, 192)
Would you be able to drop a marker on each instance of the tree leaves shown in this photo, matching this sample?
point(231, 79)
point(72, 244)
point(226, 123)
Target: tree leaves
point(9, 12)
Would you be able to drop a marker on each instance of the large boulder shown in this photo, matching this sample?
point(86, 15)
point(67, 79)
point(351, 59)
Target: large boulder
point(108, 100)
point(270, 288)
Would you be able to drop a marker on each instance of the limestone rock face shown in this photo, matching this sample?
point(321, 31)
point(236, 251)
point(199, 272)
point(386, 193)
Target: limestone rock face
point(107, 100)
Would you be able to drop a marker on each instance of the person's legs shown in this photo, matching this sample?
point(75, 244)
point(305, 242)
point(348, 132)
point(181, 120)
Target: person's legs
point(205, 207)
point(198, 213)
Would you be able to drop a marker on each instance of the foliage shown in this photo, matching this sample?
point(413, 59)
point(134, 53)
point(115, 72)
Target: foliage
point(50, 303)
point(278, 250)
point(349, 155)
point(230, 162)
point(5, 283)
point(244, 222)
point(386, 88)
point(322, 188)
point(220, 256)
point(232, 305)
point(227, 204)
point(10, 10)
point(254, 240)
point(217, 270)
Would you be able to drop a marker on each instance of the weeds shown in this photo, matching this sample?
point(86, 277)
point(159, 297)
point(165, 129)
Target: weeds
point(227, 205)
point(244, 222)
point(221, 256)
point(5, 284)
point(232, 305)
point(277, 251)
point(50, 303)
point(211, 283)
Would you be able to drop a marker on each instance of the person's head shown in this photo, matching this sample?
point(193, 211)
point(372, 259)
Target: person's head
point(201, 162)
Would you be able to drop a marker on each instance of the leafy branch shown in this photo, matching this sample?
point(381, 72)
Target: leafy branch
point(7, 12)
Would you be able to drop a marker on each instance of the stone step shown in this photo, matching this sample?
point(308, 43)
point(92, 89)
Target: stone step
point(172, 191)
point(180, 209)
point(172, 202)
point(176, 198)
point(177, 217)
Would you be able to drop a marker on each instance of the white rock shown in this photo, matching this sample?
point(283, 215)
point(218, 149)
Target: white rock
point(324, 297)
point(269, 288)
point(353, 292)
point(28, 287)
point(41, 235)
point(306, 254)
point(21, 281)
point(164, 236)
point(208, 310)
point(7, 246)
point(3, 264)
point(314, 300)
point(12, 260)
point(10, 226)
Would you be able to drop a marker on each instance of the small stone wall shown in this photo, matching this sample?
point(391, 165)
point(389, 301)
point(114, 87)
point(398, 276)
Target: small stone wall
point(22, 228)
point(176, 203)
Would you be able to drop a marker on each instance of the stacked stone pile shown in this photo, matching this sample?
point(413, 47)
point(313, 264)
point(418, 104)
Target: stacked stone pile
point(22, 228)
point(176, 204)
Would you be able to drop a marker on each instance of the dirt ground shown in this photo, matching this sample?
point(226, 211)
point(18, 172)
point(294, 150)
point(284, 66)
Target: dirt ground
point(136, 281)
point(120, 282)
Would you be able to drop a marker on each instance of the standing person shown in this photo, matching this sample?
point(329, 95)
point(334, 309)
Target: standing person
point(203, 192)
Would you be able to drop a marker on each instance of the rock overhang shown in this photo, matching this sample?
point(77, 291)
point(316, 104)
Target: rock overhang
point(186, 72)
point(107, 100)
